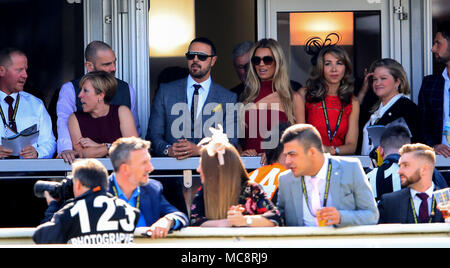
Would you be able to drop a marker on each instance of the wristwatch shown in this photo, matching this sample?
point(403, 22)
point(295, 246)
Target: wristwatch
point(166, 150)
point(336, 151)
point(108, 145)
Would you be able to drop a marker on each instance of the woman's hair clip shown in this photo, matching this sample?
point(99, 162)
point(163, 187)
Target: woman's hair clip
point(315, 44)
point(216, 143)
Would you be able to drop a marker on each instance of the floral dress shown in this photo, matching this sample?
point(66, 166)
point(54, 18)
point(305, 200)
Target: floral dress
point(252, 197)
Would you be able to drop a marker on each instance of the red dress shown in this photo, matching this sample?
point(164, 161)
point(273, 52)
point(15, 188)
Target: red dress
point(259, 122)
point(315, 116)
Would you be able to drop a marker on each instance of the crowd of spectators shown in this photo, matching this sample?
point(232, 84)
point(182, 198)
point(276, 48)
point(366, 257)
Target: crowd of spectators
point(96, 117)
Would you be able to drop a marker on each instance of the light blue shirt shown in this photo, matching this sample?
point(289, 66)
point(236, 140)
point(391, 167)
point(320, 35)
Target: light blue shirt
point(202, 93)
point(446, 115)
point(132, 201)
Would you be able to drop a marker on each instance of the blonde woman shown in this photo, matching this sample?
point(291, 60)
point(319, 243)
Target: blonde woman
point(389, 82)
point(268, 94)
point(228, 198)
point(100, 124)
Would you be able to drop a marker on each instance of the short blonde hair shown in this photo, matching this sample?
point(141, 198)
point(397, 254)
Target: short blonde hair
point(102, 82)
point(420, 150)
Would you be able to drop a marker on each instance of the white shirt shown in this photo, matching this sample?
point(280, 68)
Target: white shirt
point(30, 111)
point(202, 93)
point(366, 146)
point(66, 106)
point(321, 176)
point(446, 115)
point(417, 201)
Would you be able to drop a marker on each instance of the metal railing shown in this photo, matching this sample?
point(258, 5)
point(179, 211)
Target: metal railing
point(382, 235)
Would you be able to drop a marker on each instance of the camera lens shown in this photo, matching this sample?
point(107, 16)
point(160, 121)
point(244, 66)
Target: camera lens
point(41, 186)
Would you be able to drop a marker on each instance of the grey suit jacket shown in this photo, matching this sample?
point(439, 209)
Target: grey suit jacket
point(349, 189)
point(170, 117)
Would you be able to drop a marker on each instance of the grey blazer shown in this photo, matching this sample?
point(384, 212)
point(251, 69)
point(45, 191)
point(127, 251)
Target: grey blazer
point(349, 189)
point(170, 118)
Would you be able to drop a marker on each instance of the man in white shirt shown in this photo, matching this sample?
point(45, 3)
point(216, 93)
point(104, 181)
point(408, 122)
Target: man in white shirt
point(211, 101)
point(320, 188)
point(99, 57)
point(415, 203)
point(21, 110)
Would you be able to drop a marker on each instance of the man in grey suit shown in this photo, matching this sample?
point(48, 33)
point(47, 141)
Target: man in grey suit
point(183, 110)
point(320, 187)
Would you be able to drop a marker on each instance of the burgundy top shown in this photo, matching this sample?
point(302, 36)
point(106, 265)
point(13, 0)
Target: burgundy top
point(105, 129)
point(259, 122)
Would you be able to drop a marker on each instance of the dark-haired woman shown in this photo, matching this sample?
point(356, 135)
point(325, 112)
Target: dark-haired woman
point(329, 103)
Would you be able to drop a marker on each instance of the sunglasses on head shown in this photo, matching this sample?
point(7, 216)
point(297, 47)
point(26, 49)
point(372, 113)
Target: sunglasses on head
point(200, 55)
point(268, 60)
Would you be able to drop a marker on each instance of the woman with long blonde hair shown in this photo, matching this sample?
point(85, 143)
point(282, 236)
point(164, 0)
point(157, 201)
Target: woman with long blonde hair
point(227, 197)
point(268, 91)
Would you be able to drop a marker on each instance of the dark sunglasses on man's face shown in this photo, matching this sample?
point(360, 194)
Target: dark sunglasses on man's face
point(200, 55)
point(268, 60)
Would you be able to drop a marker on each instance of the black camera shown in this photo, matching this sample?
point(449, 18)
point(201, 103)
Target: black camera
point(59, 190)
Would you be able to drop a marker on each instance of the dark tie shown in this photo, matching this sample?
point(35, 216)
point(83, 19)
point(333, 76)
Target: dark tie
point(12, 123)
point(423, 209)
point(194, 104)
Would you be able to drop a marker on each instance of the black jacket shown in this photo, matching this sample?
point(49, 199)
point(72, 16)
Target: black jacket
point(396, 207)
point(95, 217)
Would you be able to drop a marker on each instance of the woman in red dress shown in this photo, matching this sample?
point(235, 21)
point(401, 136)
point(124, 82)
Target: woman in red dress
point(268, 97)
point(329, 102)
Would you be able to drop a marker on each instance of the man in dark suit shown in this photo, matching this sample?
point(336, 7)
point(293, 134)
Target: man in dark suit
point(131, 162)
point(415, 203)
point(434, 97)
point(183, 110)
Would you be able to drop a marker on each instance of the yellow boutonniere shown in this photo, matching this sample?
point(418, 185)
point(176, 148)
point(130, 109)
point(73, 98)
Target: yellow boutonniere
point(218, 108)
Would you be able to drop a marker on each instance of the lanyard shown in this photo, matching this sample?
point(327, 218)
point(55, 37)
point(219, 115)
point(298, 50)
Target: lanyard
point(327, 121)
point(327, 188)
point(138, 198)
point(433, 206)
point(13, 119)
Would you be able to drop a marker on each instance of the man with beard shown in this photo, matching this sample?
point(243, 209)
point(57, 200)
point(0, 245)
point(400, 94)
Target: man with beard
point(434, 97)
point(99, 57)
point(183, 110)
point(131, 162)
point(415, 203)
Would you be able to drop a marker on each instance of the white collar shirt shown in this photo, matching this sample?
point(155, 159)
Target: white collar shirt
point(30, 111)
point(202, 92)
point(366, 145)
point(417, 201)
point(308, 218)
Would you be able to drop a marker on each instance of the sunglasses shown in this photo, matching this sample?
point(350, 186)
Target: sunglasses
point(200, 55)
point(268, 60)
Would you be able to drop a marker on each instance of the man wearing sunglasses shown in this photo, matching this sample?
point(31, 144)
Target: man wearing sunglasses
point(175, 131)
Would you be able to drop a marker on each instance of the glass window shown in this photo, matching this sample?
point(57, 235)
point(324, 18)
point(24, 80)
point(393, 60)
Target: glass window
point(359, 34)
